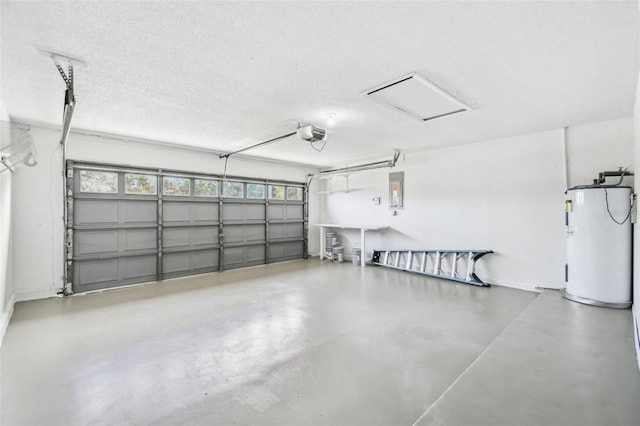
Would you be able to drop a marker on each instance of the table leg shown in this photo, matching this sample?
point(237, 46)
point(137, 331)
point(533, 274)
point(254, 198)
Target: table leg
point(322, 239)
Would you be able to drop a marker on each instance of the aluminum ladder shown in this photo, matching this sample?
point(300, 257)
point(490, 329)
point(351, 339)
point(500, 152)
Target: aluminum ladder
point(454, 265)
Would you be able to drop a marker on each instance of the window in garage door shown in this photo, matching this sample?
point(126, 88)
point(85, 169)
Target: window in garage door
point(126, 226)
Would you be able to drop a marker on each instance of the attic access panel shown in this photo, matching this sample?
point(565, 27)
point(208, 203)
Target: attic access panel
point(416, 97)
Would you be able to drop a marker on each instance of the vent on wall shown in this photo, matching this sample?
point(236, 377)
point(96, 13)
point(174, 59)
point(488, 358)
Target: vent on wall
point(416, 97)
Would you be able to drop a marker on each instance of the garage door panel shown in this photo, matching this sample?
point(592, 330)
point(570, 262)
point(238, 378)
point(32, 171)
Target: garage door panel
point(204, 259)
point(232, 212)
point(205, 212)
point(276, 231)
point(96, 271)
point(285, 212)
point(279, 252)
point(238, 257)
point(205, 235)
point(176, 237)
point(276, 251)
point(190, 236)
point(285, 231)
point(243, 233)
point(104, 273)
point(233, 234)
point(139, 239)
point(294, 230)
point(295, 249)
point(95, 242)
point(190, 262)
point(175, 211)
point(110, 241)
point(254, 233)
point(275, 212)
point(174, 262)
point(88, 212)
point(254, 212)
point(113, 212)
point(138, 266)
point(255, 255)
point(233, 256)
point(294, 212)
point(238, 212)
point(136, 211)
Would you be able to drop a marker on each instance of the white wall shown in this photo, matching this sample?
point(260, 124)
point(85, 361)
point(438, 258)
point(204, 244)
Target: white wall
point(37, 221)
point(7, 296)
point(38, 203)
point(506, 195)
point(598, 147)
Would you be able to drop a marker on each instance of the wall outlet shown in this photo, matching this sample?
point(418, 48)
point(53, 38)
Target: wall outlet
point(376, 201)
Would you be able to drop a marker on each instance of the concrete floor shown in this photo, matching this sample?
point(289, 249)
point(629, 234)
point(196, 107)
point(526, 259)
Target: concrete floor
point(310, 343)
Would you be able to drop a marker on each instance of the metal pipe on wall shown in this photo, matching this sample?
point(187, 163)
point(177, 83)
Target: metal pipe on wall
point(358, 168)
point(565, 159)
point(602, 176)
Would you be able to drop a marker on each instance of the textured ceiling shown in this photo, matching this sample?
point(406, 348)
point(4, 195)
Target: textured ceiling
point(224, 75)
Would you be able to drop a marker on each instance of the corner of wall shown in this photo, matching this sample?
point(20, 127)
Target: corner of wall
point(7, 293)
point(5, 317)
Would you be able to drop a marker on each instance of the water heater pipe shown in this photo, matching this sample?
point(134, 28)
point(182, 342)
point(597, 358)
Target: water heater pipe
point(602, 176)
point(565, 160)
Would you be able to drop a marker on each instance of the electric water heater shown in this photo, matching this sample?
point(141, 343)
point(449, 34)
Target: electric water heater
point(598, 270)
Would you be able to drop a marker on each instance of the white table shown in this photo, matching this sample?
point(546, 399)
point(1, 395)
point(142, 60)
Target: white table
point(362, 228)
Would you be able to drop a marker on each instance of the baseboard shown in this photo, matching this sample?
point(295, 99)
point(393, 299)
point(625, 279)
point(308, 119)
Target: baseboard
point(521, 286)
point(35, 295)
point(5, 318)
point(636, 332)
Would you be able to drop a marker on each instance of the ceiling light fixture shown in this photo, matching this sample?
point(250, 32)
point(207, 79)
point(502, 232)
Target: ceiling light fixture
point(331, 119)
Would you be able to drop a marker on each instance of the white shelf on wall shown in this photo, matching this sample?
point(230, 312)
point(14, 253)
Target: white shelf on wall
point(337, 191)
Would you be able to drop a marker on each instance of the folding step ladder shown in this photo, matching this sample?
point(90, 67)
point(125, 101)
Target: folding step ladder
point(454, 265)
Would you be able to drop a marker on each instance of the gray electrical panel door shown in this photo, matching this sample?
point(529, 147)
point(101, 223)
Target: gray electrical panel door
point(127, 226)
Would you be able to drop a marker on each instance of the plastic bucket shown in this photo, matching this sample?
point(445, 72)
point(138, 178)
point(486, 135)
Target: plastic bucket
point(329, 242)
point(355, 255)
point(338, 254)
